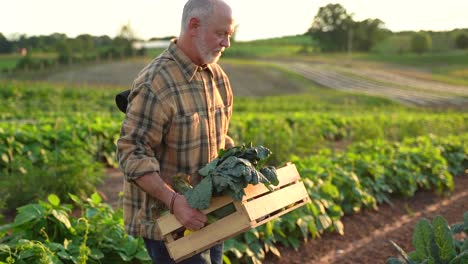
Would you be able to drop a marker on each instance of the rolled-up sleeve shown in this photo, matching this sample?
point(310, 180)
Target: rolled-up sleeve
point(140, 134)
point(229, 142)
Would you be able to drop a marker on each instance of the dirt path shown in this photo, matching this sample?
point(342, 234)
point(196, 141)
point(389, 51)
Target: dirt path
point(367, 234)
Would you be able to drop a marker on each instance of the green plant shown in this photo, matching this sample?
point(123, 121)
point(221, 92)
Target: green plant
point(46, 233)
point(38, 159)
point(435, 243)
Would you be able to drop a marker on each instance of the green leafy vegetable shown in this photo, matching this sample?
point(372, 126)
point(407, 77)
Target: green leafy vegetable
point(230, 173)
point(201, 194)
point(434, 243)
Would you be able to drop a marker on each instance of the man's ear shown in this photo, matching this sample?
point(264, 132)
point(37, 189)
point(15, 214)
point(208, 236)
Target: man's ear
point(194, 24)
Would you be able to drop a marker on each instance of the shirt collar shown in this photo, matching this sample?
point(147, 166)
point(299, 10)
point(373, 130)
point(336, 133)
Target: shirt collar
point(189, 69)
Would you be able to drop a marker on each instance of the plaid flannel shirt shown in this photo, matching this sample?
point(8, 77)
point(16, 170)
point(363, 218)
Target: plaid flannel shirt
point(177, 120)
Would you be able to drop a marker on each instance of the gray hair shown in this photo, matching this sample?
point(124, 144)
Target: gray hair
point(200, 9)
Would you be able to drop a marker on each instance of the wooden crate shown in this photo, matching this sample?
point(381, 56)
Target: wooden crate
point(257, 207)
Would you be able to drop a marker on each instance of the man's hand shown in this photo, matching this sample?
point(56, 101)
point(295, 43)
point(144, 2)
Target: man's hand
point(189, 217)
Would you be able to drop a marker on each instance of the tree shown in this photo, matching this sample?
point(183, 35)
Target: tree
point(5, 45)
point(65, 53)
point(461, 41)
point(102, 41)
point(127, 32)
point(85, 42)
point(421, 42)
point(124, 41)
point(368, 33)
point(331, 27)
point(50, 42)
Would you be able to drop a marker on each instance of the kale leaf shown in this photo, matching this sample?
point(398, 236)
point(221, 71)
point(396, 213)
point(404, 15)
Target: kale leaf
point(230, 173)
point(200, 196)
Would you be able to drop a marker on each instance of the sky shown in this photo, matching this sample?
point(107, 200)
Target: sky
point(256, 19)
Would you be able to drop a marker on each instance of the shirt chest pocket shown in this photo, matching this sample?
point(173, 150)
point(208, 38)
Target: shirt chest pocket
point(186, 132)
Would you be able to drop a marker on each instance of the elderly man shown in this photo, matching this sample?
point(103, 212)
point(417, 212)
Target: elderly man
point(176, 121)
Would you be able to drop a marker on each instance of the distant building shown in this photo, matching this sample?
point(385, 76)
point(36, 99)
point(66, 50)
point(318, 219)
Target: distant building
point(153, 44)
point(22, 51)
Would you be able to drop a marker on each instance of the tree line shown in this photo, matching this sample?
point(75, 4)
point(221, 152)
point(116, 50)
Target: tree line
point(68, 50)
point(333, 29)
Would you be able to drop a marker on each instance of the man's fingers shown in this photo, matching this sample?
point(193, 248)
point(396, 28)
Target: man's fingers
point(191, 218)
point(199, 224)
point(202, 217)
point(195, 227)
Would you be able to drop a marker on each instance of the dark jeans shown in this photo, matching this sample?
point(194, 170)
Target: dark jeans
point(158, 253)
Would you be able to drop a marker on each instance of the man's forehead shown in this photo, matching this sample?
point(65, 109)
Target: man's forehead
point(224, 22)
point(227, 27)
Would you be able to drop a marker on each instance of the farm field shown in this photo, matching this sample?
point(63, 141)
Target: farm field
point(378, 146)
point(408, 86)
point(367, 234)
point(398, 85)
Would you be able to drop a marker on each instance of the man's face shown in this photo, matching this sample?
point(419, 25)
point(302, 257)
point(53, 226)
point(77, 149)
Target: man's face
point(214, 37)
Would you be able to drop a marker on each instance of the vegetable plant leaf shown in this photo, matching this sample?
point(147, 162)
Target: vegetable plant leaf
point(53, 200)
point(96, 198)
point(62, 217)
point(465, 245)
point(401, 251)
point(208, 168)
point(443, 238)
point(28, 213)
point(270, 173)
point(421, 238)
point(230, 173)
point(462, 258)
point(200, 196)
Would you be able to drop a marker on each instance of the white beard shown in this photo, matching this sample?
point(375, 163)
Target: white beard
point(206, 55)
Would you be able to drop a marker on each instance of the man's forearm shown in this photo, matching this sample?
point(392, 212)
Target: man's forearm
point(153, 184)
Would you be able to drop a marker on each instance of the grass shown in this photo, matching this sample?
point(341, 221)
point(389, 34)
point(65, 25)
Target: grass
point(318, 100)
point(253, 50)
point(8, 61)
point(287, 40)
point(44, 98)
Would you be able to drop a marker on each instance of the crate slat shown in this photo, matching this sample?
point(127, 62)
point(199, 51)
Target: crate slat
point(280, 213)
point(257, 207)
point(263, 205)
point(286, 175)
point(168, 223)
point(208, 236)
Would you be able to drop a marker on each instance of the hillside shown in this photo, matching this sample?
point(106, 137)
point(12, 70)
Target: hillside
point(406, 85)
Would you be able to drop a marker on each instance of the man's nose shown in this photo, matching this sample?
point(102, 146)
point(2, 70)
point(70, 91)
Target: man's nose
point(226, 42)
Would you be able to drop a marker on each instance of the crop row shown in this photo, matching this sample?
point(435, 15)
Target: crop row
point(72, 150)
point(63, 137)
point(363, 176)
point(36, 155)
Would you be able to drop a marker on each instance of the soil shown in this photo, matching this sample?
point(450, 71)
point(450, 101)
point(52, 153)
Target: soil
point(246, 80)
point(408, 86)
point(367, 233)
